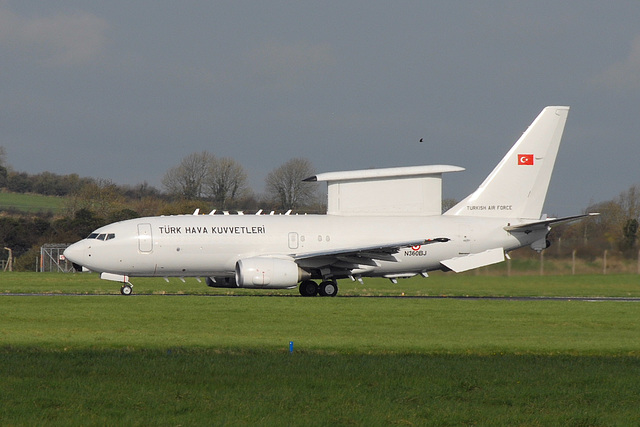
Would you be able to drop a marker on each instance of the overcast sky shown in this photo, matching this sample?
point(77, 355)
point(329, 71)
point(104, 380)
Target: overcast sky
point(123, 90)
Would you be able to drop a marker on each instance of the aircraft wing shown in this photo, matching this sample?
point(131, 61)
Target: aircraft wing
point(353, 258)
point(544, 223)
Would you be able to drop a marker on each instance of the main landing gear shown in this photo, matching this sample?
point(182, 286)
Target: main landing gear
point(328, 288)
point(126, 289)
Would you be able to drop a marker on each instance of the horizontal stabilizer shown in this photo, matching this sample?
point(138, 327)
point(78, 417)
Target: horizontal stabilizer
point(469, 262)
point(544, 223)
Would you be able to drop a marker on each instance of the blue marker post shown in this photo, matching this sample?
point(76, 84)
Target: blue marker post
point(291, 347)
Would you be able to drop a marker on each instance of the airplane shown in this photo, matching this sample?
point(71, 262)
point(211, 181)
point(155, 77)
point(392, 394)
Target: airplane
point(379, 223)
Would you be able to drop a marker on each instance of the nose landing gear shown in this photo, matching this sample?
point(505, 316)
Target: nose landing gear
point(126, 289)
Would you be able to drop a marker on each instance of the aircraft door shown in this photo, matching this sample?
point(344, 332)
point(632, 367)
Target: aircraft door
point(294, 240)
point(145, 240)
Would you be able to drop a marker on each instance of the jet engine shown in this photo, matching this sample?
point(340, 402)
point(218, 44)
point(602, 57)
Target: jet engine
point(263, 272)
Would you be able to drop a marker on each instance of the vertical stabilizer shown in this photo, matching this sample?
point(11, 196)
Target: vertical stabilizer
point(517, 187)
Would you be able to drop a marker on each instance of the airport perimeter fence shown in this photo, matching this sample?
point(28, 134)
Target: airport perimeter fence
point(524, 263)
point(52, 259)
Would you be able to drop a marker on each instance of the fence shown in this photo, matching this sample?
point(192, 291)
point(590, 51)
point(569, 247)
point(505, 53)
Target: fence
point(52, 258)
point(523, 262)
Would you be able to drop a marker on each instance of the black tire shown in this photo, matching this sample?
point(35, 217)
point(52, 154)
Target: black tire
point(328, 289)
point(126, 289)
point(308, 288)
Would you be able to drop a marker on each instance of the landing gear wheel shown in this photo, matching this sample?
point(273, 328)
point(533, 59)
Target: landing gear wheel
point(126, 289)
point(308, 288)
point(328, 288)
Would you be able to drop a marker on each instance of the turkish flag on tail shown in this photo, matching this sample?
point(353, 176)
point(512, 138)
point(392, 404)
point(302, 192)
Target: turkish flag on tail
point(525, 159)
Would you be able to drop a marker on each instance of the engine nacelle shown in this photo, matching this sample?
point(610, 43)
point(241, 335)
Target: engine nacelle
point(262, 272)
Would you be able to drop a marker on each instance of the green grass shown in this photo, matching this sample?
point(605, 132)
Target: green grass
point(207, 388)
point(31, 203)
point(213, 360)
point(438, 284)
point(340, 325)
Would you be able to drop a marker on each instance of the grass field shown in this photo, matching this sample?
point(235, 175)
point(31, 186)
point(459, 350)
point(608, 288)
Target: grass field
point(32, 203)
point(438, 284)
point(214, 359)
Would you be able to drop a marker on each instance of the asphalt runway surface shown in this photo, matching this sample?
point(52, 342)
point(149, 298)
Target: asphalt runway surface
point(467, 297)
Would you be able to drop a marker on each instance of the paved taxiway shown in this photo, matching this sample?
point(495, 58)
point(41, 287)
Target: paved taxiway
point(468, 297)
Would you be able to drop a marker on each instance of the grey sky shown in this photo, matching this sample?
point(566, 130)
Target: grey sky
point(124, 90)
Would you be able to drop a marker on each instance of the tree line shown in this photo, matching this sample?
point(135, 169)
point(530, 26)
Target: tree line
point(223, 182)
point(200, 181)
point(199, 177)
point(206, 182)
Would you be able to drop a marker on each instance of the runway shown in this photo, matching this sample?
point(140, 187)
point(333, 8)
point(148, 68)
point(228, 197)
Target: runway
point(424, 297)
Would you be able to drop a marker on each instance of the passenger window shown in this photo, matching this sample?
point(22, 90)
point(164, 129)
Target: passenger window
point(111, 236)
point(101, 236)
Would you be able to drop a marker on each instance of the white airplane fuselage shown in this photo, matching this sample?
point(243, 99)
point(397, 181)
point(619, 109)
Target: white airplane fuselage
point(210, 245)
point(379, 222)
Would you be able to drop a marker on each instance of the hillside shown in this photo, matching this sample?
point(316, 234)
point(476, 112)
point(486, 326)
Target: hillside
point(31, 203)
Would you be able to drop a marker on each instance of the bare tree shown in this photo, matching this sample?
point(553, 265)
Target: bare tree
point(285, 186)
point(616, 213)
point(226, 182)
point(448, 204)
point(615, 228)
point(630, 202)
point(3, 170)
point(188, 178)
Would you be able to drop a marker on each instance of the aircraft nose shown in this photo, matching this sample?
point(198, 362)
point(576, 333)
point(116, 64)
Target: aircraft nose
point(75, 253)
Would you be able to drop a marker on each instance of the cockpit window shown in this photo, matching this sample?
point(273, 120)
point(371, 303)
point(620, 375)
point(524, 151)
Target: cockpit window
point(102, 236)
